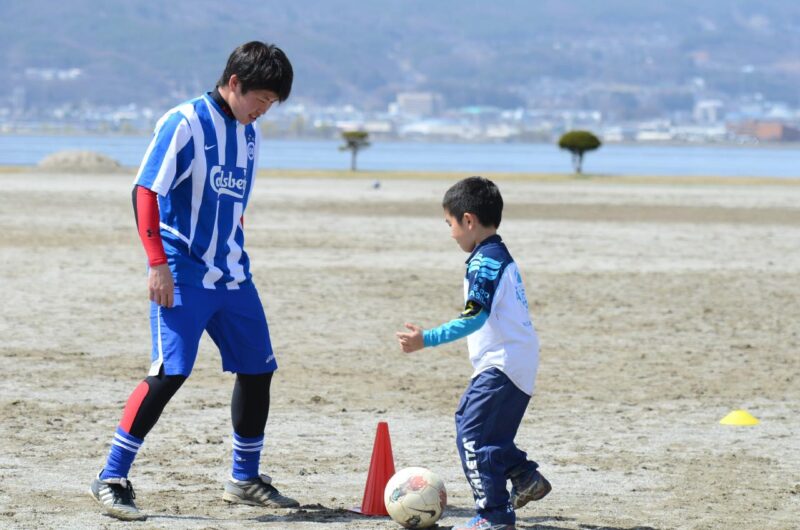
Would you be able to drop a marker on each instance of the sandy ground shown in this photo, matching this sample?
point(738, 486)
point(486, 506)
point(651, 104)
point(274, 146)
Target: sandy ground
point(661, 308)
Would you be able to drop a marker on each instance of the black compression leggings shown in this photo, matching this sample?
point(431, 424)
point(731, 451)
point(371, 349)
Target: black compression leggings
point(249, 404)
point(160, 389)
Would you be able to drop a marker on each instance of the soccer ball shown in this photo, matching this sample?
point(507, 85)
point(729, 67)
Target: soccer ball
point(415, 497)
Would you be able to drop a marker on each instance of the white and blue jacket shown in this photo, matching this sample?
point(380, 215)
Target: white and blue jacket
point(495, 320)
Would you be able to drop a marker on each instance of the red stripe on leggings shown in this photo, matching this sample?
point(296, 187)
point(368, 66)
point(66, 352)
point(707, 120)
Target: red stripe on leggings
point(132, 407)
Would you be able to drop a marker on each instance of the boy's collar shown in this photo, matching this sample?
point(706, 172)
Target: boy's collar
point(494, 238)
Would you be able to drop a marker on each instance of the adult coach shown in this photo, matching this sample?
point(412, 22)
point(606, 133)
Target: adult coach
point(189, 199)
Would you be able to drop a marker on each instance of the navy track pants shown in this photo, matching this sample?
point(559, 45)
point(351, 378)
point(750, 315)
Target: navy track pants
point(487, 420)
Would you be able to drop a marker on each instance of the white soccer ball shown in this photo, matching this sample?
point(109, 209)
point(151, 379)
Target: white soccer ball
point(415, 497)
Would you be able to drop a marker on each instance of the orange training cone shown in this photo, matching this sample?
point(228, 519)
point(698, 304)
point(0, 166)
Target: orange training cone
point(381, 469)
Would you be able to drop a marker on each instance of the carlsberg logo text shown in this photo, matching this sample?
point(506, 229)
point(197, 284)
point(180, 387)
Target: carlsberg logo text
point(228, 181)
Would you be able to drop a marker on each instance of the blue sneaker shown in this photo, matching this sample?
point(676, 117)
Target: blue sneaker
point(479, 523)
point(529, 487)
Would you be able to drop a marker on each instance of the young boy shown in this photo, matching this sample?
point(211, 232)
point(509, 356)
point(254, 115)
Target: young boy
point(189, 199)
point(504, 351)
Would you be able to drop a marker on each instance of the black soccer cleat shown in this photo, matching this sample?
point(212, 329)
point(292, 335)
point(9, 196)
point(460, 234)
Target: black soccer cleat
point(116, 496)
point(257, 491)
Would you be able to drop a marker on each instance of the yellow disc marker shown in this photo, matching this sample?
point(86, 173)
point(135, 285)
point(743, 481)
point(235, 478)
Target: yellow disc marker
point(739, 417)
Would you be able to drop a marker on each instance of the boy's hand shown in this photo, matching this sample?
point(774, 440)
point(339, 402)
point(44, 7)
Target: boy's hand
point(161, 286)
point(411, 341)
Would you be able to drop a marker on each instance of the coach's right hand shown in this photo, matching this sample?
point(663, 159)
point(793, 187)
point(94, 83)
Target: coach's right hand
point(161, 285)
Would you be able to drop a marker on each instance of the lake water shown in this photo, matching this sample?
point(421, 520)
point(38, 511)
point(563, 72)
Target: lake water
point(472, 158)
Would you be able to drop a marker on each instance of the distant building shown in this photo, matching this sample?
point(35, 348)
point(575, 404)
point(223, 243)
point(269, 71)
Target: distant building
point(766, 131)
point(501, 131)
point(653, 136)
point(700, 133)
point(708, 111)
point(370, 126)
point(440, 130)
point(418, 103)
point(618, 133)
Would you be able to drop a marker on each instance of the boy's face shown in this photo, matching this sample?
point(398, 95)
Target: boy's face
point(463, 232)
point(248, 107)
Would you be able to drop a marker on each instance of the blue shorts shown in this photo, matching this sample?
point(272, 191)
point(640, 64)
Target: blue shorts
point(234, 319)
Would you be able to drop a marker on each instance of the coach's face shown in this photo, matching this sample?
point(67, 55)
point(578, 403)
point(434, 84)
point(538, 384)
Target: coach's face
point(248, 107)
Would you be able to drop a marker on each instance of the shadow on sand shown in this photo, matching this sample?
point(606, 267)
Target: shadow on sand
point(317, 513)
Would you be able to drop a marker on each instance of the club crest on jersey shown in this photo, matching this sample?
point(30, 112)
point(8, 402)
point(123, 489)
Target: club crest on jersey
point(251, 150)
point(228, 181)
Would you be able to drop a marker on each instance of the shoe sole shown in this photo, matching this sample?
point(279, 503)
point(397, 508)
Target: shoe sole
point(123, 516)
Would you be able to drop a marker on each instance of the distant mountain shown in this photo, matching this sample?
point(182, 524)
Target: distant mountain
point(504, 53)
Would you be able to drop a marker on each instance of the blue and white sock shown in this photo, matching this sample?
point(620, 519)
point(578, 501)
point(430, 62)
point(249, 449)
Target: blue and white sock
point(123, 450)
point(246, 456)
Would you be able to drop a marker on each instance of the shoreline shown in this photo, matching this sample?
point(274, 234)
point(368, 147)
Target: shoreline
point(628, 143)
point(527, 177)
point(378, 175)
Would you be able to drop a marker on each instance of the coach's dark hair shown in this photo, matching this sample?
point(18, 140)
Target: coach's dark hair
point(478, 196)
point(260, 66)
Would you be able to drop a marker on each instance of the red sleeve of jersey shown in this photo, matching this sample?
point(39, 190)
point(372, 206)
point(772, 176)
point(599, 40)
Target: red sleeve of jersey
point(147, 220)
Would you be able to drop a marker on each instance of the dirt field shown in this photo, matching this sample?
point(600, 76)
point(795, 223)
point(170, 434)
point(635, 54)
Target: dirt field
point(661, 307)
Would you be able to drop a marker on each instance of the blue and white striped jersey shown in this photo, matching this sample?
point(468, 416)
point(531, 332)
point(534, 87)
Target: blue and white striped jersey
point(202, 164)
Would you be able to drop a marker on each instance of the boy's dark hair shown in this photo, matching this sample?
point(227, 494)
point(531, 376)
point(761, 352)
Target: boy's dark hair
point(478, 196)
point(260, 66)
